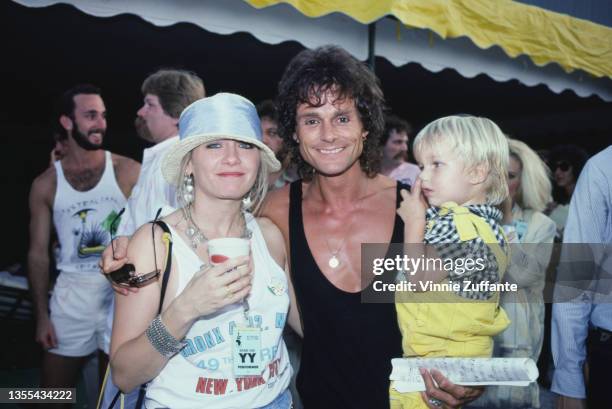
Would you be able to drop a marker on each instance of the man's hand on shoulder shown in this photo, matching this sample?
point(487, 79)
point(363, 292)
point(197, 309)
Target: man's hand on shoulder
point(113, 258)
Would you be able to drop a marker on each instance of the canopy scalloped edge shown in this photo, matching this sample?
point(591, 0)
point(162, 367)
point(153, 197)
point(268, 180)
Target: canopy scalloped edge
point(519, 29)
point(398, 44)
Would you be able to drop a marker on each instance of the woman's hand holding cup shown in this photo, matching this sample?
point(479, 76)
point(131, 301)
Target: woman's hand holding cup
point(214, 287)
point(226, 280)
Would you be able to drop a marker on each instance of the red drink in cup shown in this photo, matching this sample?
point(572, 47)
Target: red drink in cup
point(220, 250)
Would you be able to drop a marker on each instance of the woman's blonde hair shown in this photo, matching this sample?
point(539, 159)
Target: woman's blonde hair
point(535, 191)
point(255, 196)
point(477, 141)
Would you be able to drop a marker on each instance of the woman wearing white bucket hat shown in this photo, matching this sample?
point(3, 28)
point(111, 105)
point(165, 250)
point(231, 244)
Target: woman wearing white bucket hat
point(218, 340)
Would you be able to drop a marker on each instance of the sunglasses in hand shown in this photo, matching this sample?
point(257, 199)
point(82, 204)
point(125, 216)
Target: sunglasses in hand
point(125, 276)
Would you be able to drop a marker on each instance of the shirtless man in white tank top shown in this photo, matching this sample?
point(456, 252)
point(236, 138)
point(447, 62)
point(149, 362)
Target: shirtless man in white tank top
point(81, 194)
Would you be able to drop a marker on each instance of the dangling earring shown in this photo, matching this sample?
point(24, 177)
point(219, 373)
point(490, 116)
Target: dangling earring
point(247, 201)
point(188, 188)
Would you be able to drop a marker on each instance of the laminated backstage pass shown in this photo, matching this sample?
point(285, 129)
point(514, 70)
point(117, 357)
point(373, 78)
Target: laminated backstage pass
point(246, 352)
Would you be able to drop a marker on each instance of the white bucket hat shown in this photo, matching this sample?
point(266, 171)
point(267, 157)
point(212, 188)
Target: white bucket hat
point(222, 116)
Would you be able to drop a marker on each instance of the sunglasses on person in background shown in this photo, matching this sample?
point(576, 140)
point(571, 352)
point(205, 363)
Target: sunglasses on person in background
point(564, 166)
point(125, 275)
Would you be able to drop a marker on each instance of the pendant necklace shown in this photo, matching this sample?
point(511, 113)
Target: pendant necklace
point(334, 261)
point(192, 231)
point(196, 236)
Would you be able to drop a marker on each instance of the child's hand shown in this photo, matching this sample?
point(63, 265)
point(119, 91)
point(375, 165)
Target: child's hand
point(413, 207)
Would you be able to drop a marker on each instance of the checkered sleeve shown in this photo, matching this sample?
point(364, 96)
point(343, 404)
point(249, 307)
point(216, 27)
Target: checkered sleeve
point(444, 237)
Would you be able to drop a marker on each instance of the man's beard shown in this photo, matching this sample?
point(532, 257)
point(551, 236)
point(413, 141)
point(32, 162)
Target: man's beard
point(83, 142)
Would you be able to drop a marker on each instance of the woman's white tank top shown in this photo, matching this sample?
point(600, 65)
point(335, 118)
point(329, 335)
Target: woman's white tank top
point(201, 376)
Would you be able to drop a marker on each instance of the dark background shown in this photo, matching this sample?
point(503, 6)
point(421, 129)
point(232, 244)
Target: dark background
point(47, 50)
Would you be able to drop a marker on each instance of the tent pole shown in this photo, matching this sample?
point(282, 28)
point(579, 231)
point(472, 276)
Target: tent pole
point(371, 42)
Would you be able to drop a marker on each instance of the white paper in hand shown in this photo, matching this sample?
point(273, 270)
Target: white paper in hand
point(463, 371)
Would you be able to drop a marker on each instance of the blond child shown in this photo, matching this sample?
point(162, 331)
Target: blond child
point(450, 215)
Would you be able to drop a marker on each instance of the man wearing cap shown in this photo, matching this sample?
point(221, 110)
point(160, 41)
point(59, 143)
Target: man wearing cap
point(81, 194)
point(166, 94)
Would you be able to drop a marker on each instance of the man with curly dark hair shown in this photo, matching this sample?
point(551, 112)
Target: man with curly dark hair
point(309, 78)
point(331, 115)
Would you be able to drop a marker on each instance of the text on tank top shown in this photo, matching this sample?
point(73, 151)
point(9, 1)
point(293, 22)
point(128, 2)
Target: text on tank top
point(201, 375)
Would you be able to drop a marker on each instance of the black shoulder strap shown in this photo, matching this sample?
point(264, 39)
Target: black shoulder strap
point(168, 239)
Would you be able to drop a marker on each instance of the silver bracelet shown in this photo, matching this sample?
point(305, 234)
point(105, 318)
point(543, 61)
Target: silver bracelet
point(162, 340)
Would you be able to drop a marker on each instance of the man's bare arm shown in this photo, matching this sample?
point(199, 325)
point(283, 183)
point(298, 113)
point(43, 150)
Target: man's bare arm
point(126, 172)
point(40, 200)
